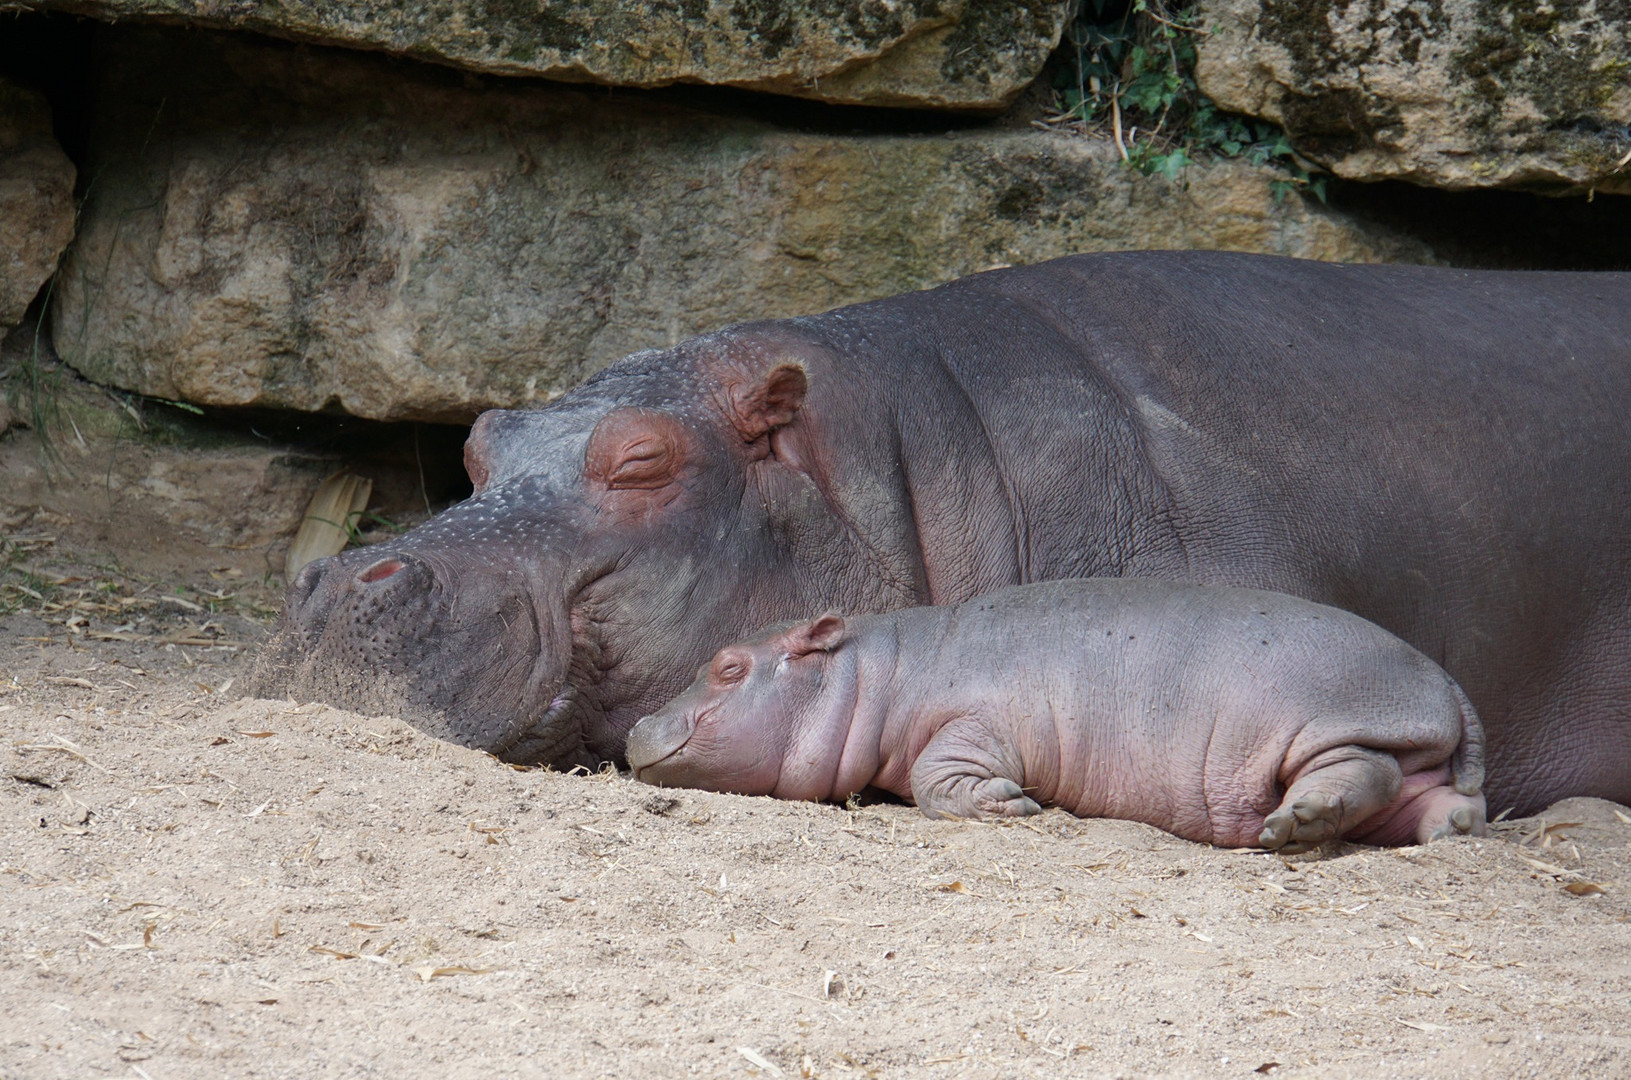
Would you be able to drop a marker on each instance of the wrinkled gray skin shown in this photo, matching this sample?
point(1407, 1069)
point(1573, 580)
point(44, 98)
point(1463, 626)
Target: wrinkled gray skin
point(1229, 716)
point(1442, 452)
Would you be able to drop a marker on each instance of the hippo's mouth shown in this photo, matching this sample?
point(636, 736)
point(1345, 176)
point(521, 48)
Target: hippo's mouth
point(656, 739)
point(558, 708)
point(645, 775)
point(556, 736)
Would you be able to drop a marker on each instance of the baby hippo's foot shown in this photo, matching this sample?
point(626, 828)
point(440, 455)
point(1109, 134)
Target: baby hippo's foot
point(1302, 824)
point(969, 770)
point(975, 797)
point(1334, 792)
point(1420, 817)
point(1465, 818)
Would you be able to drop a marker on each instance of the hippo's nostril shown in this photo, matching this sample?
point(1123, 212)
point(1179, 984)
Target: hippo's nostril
point(306, 581)
point(380, 571)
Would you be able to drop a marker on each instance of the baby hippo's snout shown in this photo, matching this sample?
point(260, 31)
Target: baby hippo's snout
point(656, 739)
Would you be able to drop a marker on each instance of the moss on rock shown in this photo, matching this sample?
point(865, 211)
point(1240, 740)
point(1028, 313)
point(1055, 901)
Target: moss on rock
point(1452, 93)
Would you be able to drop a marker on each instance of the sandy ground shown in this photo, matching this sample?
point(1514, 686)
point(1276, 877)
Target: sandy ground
point(196, 885)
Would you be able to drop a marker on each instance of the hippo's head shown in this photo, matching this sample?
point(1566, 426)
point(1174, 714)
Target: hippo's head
point(614, 539)
point(767, 716)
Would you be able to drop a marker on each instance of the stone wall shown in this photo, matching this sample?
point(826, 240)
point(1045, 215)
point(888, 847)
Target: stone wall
point(36, 200)
point(265, 221)
point(925, 54)
point(303, 228)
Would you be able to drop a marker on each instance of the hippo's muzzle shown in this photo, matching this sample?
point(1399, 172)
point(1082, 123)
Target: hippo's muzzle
point(454, 645)
point(371, 586)
point(657, 738)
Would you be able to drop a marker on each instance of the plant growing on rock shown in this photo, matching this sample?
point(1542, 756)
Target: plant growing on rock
point(1129, 73)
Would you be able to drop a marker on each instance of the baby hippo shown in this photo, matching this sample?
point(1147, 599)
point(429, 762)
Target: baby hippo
point(1229, 716)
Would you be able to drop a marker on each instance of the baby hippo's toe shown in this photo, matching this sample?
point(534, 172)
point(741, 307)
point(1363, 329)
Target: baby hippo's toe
point(1302, 824)
point(1001, 797)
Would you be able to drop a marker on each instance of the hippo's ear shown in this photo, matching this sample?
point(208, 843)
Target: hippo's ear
point(817, 635)
point(635, 449)
point(761, 404)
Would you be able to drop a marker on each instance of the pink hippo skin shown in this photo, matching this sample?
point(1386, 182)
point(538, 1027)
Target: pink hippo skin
point(1230, 716)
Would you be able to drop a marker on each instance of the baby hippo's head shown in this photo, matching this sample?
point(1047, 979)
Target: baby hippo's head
point(764, 717)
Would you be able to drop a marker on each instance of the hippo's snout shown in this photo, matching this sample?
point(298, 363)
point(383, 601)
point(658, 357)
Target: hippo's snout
point(655, 739)
point(451, 641)
point(343, 581)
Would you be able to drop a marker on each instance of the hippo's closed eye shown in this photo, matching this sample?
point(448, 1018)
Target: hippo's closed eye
point(635, 449)
point(644, 462)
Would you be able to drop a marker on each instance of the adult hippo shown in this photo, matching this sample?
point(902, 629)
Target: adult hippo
point(1446, 453)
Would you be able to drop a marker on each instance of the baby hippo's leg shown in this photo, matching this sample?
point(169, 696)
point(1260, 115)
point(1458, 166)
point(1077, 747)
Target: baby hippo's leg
point(1365, 792)
point(1335, 791)
point(969, 770)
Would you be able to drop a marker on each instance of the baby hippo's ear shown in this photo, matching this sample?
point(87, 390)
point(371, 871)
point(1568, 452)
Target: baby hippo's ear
point(818, 635)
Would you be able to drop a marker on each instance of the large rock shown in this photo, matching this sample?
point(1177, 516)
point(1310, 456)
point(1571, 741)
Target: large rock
point(285, 226)
point(1445, 93)
point(36, 200)
point(937, 54)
